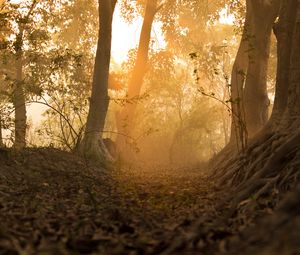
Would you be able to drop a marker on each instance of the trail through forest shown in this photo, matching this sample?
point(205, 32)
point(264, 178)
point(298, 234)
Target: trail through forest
point(53, 202)
point(223, 87)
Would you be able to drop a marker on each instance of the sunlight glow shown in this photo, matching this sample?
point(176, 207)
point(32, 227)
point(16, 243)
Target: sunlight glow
point(225, 17)
point(15, 1)
point(126, 36)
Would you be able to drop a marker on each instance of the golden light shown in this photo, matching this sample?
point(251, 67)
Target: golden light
point(226, 18)
point(15, 1)
point(126, 36)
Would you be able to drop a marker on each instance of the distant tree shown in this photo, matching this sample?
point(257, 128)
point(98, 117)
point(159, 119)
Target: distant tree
point(188, 26)
point(125, 118)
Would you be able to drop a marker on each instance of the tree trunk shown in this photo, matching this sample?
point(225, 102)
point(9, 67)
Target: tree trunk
point(92, 146)
point(268, 159)
point(256, 99)
point(1, 136)
point(283, 30)
point(238, 134)
point(176, 137)
point(293, 102)
point(288, 128)
point(125, 119)
point(19, 97)
point(19, 100)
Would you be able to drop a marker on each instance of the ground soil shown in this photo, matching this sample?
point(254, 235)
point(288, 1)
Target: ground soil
point(54, 202)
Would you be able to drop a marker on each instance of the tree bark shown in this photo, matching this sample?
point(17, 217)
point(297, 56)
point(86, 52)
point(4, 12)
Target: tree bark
point(282, 144)
point(1, 135)
point(19, 96)
point(283, 30)
point(125, 119)
point(92, 146)
point(256, 99)
point(238, 134)
point(293, 102)
point(19, 99)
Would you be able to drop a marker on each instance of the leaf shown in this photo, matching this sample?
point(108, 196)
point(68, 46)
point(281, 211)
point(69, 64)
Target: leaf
point(193, 55)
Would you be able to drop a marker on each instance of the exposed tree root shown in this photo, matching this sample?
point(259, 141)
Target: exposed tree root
point(264, 166)
point(276, 235)
point(230, 167)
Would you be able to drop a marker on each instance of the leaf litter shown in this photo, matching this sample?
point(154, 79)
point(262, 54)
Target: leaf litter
point(54, 202)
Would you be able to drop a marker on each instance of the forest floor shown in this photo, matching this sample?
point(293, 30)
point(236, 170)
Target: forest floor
point(53, 202)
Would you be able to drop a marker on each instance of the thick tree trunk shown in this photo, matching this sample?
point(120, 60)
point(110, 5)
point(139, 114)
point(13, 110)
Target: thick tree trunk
point(271, 161)
point(92, 145)
point(125, 119)
point(249, 74)
point(268, 160)
point(293, 102)
point(256, 101)
point(283, 30)
point(19, 97)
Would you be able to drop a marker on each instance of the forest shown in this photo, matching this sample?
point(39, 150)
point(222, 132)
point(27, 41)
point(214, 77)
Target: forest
point(150, 127)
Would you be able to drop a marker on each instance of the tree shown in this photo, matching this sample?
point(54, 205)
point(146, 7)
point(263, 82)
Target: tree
point(256, 101)
point(249, 95)
point(71, 60)
point(2, 11)
point(238, 129)
point(92, 145)
point(283, 31)
point(181, 27)
point(125, 119)
point(19, 100)
point(269, 152)
point(288, 36)
point(25, 56)
point(1, 135)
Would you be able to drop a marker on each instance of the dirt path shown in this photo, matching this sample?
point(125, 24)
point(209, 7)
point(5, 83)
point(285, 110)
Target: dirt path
point(52, 202)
